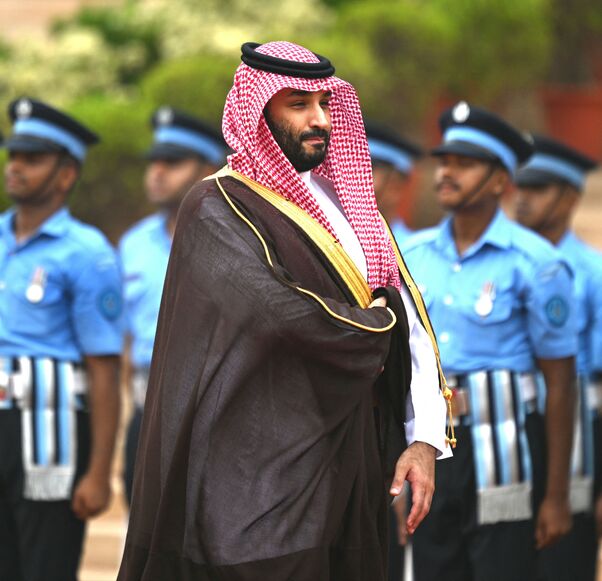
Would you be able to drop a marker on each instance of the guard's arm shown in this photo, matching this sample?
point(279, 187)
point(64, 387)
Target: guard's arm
point(93, 491)
point(554, 517)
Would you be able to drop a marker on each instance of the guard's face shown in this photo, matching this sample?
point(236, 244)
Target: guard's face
point(543, 205)
point(461, 182)
point(168, 180)
point(300, 123)
point(33, 178)
point(389, 187)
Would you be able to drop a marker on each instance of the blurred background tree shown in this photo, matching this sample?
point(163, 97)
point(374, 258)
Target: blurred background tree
point(113, 66)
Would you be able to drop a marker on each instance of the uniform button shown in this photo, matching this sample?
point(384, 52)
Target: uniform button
point(444, 337)
point(456, 267)
point(448, 300)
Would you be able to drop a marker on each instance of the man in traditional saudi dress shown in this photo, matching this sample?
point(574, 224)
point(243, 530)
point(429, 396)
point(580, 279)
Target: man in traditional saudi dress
point(279, 404)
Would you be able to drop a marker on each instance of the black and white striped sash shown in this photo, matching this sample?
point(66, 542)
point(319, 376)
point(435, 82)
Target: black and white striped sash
point(499, 402)
point(49, 393)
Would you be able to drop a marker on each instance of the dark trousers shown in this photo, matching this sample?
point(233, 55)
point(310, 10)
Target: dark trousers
point(131, 446)
point(396, 551)
point(574, 556)
point(450, 545)
point(39, 540)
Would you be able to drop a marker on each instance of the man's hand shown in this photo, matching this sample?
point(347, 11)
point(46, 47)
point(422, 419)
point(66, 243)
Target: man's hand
point(417, 466)
point(91, 496)
point(553, 521)
point(379, 302)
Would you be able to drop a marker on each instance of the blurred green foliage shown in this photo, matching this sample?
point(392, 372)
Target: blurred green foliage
point(111, 67)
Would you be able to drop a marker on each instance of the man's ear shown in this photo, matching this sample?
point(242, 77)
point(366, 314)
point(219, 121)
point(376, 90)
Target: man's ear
point(571, 198)
point(68, 175)
point(501, 181)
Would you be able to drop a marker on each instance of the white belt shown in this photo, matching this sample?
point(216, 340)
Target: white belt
point(461, 400)
point(594, 396)
point(16, 387)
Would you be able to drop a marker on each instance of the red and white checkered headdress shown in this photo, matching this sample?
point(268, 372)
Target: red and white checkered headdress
point(347, 164)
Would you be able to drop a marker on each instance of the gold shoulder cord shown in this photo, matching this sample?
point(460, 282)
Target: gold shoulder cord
point(426, 323)
point(348, 267)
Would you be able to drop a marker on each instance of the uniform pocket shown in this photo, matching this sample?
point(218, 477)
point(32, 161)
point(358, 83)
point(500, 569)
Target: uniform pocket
point(35, 309)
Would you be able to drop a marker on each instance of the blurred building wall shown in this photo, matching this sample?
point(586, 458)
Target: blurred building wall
point(21, 18)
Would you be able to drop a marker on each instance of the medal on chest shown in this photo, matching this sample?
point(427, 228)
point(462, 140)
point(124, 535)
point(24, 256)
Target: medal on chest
point(37, 286)
point(484, 304)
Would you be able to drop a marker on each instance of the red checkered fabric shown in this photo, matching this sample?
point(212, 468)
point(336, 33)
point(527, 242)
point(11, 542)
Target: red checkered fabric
point(347, 163)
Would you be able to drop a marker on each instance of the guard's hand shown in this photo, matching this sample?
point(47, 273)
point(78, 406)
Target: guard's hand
point(399, 506)
point(91, 496)
point(553, 521)
point(598, 515)
point(417, 466)
point(379, 302)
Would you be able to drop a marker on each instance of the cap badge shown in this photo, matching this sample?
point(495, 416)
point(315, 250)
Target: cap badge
point(461, 112)
point(528, 137)
point(164, 116)
point(23, 108)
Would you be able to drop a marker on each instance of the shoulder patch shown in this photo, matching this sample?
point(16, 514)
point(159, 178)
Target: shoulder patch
point(557, 311)
point(109, 303)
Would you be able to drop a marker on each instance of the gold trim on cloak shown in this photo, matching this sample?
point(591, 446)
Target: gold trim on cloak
point(343, 264)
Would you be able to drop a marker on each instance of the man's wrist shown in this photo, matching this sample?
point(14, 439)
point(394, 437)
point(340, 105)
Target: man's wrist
point(426, 447)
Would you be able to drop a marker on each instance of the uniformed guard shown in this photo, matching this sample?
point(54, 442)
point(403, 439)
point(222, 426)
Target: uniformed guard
point(393, 160)
point(184, 150)
point(549, 190)
point(60, 340)
point(500, 298)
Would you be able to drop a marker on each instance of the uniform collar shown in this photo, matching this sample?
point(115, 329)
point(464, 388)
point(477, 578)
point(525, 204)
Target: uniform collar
point(496, 234)
point(54, 226)
point(159, 230)
point(567, 241)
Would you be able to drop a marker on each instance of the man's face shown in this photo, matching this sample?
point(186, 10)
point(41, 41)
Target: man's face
point(300, 124)
point(34, 178)
point(461, 181)
point(545, 204)
point(168, 180)
point(389, 186)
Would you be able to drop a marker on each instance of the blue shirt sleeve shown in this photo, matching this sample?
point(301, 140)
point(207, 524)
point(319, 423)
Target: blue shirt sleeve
point(552, 313)
point(595, 337)
point(97, 305)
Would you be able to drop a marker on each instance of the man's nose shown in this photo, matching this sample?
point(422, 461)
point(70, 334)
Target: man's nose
point(443, 171)
point(320, 118)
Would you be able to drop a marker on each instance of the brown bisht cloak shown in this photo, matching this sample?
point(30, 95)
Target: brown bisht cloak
point(260, 457)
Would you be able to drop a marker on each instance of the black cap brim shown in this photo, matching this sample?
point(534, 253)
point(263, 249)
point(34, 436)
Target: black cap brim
point(169, 151)
point(530, 177)
point(30, 144)
point(465, 149)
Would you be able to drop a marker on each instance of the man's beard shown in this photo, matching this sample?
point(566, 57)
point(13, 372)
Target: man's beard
point(292, 145)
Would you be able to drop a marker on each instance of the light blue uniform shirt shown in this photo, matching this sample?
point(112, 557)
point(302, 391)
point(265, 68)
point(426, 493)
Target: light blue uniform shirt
point(144, 252)
point(400, 231)
point(507, 300)
point(60, 291)
point(586, 263)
